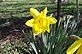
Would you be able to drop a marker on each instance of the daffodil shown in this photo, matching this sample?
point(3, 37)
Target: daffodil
point(40, 22)
point(76, 47)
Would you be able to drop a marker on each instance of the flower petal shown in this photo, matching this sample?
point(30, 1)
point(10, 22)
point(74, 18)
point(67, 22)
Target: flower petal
point(79, 50)
point(30, 22)
point(34, 12)
point(74, 47)
point(48, 28)
point(51, 20)
point(44, 12)
point(35, 33)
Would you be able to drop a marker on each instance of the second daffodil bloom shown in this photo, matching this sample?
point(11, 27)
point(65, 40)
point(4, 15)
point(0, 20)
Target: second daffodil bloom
point(40, 22)
point(76, 46)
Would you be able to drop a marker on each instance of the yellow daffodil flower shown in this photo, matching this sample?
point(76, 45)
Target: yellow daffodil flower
point(76, 46)
point(40, 22)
